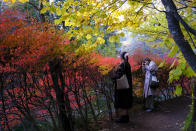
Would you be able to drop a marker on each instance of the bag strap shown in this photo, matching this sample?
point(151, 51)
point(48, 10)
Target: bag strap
point(124, 73)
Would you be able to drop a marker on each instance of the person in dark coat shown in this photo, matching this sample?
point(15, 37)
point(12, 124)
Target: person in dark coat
point(123, 97)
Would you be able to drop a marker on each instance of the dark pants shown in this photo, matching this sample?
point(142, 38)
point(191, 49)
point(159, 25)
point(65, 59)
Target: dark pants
point(123, 98)
point(149, 102)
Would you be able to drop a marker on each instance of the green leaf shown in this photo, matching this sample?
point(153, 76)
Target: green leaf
point(172, 65)
point(189, 72)
point(52, 8)
point(177, 73)
point(173, 51)
point(100, 40)
point(122, 34)
point(178, 90)
point(112, 39)
point(171, 77)
point(57, 21)
point(44, 10)
point(182, 66)
point(188, 121)
point(117, 39)
point(58, 11)
point(189, 10)
point(168, 42)
point(88, 37)
point(162, 64)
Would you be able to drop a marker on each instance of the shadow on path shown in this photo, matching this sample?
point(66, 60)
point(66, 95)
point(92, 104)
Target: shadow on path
point(168, 116)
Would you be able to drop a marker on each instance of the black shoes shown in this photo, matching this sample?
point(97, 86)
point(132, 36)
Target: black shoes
point(123, 119)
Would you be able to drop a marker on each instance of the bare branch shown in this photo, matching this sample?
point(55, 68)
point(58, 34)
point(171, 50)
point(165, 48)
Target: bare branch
point(186, 26)
point(191, 40)
point(182, 8)
point(156, 8)
point(32, 4)
point(115, 10)
point(184, 4)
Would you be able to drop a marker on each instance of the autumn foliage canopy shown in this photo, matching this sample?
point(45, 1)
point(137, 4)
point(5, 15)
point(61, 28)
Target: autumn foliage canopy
point(43, 76)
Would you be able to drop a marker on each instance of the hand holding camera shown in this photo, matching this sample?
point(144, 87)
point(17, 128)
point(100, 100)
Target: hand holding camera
point(144, 63)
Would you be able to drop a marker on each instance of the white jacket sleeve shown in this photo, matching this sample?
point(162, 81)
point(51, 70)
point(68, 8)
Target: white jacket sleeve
point(153, 66)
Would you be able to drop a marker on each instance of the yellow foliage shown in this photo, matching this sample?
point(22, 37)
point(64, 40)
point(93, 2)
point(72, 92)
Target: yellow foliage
point(100, 40)
point(88, 37)
point(87, 18)
point(104, 69)
point(58, 11)
point(13, 1)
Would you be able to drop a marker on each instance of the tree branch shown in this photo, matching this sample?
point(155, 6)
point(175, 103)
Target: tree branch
point(115, 10)
point(186, 26)
point(34, 6)
point(171, 8)
point(191, 39)
point(156, 8)
point(173, 19)
point(182, 8)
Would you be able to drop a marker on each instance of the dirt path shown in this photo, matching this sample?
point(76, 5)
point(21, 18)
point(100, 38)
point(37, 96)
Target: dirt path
point(169, 116)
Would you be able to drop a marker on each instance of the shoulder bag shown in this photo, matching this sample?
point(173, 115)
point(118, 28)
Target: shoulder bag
point(153, 84)
point(122, 82)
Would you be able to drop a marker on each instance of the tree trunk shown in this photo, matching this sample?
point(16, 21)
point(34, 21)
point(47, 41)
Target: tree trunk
point(42, 16)
point(108, 101)
point(175, 30)
point(1, 128)
point(66, 101)
point(64, 122)
point(3, 105)
point(194, 105)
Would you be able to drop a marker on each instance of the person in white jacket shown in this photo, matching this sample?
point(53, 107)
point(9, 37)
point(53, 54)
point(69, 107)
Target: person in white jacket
point(149, 68)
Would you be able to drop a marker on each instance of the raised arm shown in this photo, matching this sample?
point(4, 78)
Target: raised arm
point(153, 67)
